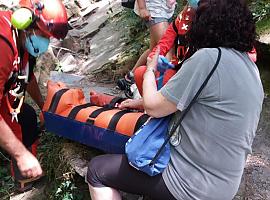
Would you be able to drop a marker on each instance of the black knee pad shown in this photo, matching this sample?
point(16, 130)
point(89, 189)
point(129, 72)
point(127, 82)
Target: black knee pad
point(95, 172)
point(28, 121)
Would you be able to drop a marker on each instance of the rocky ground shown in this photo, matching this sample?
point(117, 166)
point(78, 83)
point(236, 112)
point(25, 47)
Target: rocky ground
point(90, 53)
point(256, 178)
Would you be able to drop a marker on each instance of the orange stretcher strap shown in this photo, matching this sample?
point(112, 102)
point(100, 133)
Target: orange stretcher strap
point(56, 98)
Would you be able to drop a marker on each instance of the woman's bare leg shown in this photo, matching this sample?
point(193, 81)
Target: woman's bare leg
point(156, 33)
point(103, 193)
point(142, 59)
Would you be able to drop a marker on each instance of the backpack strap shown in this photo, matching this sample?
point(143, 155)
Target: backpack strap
point(176, 39)
point(32, 63)
point(142, 119)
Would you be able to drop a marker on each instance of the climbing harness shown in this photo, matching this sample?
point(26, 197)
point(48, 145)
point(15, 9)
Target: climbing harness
point(16, 85)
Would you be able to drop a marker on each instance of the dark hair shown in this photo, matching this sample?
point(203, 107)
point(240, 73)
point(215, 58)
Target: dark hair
point(222, 23)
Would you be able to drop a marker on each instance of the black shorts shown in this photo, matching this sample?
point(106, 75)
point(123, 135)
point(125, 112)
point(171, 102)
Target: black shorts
point(113, 170)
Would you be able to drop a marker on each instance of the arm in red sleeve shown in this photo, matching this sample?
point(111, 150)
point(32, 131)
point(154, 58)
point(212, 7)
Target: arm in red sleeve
point(166, 42)
point(6, 64)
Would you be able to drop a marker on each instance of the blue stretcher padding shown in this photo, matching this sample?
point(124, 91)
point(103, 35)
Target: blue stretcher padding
point(90, 135)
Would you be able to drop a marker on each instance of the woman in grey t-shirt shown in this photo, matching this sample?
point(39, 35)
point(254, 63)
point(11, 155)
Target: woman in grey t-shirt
point(217, 133)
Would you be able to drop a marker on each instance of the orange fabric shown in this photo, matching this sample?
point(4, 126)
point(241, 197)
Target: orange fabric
point(139, 72)
point(100, 99)
point(52, 88)
point(75, 97)
point(127, 123)
point(138, 77)
point(104, 118)
point(83, 114)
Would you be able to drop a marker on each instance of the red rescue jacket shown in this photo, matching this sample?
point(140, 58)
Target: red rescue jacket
point(10, 65)
point(175, 36)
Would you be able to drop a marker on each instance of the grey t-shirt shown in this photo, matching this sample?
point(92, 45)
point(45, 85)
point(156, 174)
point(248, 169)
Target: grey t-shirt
point(217, 133)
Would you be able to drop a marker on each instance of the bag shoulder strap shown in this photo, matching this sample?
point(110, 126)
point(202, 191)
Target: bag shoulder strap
point(176, 38)
point(142, 119)
point(184, 112)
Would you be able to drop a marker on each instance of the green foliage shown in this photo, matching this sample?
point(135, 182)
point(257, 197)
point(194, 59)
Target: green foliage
point(260, 10)
point(263, 26)
point(137, 34)
point(67, 191)
point(6, 182)
point(61, 177)
point(50, 151)
point(261, 13)
point(179, 6)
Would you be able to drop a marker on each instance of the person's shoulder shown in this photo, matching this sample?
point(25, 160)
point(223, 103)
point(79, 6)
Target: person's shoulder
point(206, 51)
point(5, 24)
point(5, 14)
point(203, 54)
point(202, 59)
point(206, 55)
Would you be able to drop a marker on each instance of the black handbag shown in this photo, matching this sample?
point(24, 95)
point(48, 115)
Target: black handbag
point(128, 3)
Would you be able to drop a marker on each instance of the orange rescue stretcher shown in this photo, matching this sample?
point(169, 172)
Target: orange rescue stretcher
point(97, 124)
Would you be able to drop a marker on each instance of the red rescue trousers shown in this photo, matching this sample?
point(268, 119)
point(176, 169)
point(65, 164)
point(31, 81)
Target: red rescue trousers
point(25, 129)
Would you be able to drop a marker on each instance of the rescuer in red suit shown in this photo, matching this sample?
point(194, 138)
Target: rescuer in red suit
point(24, 35)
